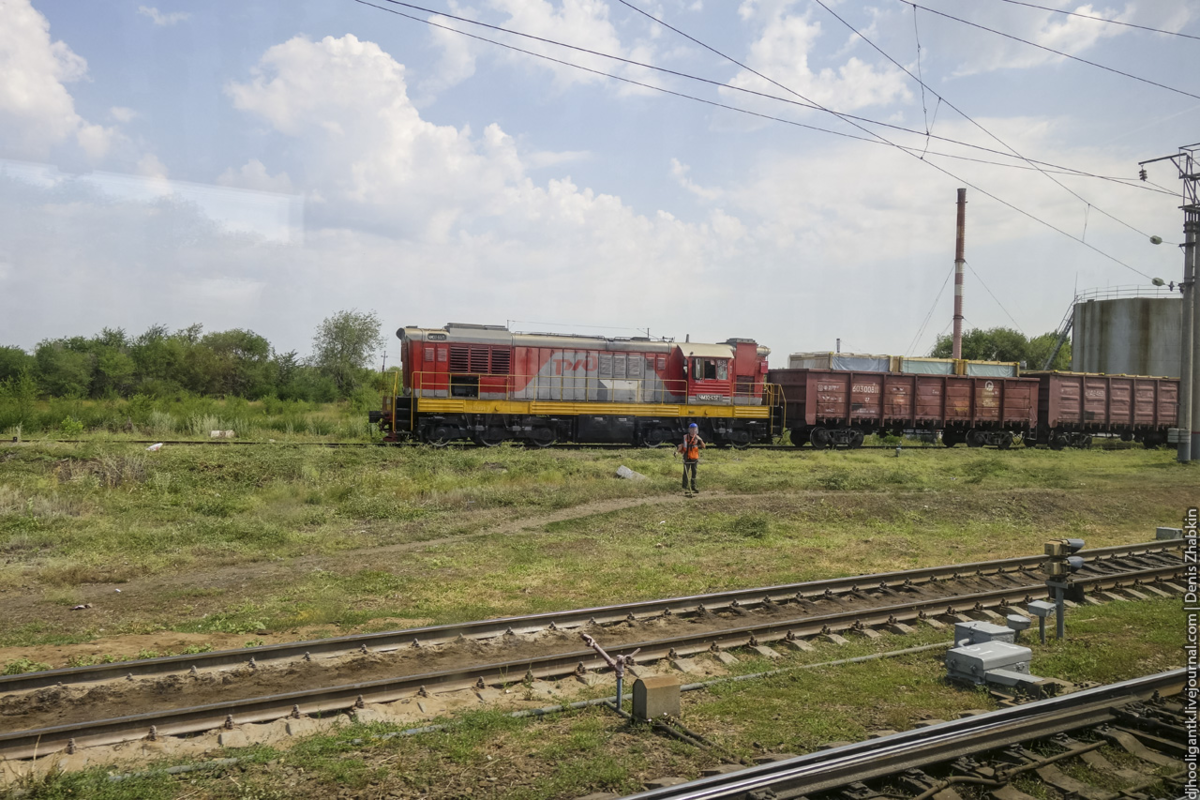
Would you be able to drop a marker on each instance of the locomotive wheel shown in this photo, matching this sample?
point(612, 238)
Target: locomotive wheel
point(654, 437)
point(949, 438)
point(438, 435)
point(739, 438)
point(975, 438)
point(1058, 442)
point(542, 436)
point(1006, 441)
point(819, 438)
point(856, 439)
point(799, 437)
point(491, 436)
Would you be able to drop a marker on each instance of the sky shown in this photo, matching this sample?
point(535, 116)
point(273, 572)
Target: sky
point(783, 170)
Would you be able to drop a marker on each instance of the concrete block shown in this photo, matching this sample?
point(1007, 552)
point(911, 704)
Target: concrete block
point(1174, 587)
point(836, 638)
point(430, 707)
point(234, 738)
point(1163, 534)
point(800, 645)
point(870, 633)
point(686, 665)
point(370, 714)
point(763, 650)
point(1135, 593)
point(1154, 590)
point(488, 695)
point(663, 783)
point(900, 628)
point(726, 658)
point(721, 769)
point(544, 689)
point(302, 727)
point(935, 624)
point(655, 697)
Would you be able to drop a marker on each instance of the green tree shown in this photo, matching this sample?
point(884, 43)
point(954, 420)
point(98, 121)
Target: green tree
point(993, 344)
point(64, 367)
point(13, 361)
point(345, 345)
point(1040, 348)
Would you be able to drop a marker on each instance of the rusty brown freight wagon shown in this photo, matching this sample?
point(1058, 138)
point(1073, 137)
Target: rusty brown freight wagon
point(828, 408)
point(1075, 406)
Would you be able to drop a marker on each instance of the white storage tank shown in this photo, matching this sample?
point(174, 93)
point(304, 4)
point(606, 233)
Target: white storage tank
point(1127, 331)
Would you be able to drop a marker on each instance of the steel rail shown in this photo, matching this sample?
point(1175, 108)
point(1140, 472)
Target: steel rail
point(830, 769)
point(746, 599)
point(30, 743)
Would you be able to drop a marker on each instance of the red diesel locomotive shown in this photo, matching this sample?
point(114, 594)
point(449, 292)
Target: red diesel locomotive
point(486, 384)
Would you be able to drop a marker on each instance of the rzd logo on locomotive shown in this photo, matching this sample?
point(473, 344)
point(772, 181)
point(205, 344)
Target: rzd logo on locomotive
point(562, 365)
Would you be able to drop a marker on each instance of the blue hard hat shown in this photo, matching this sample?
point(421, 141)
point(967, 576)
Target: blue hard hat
point(693, 425)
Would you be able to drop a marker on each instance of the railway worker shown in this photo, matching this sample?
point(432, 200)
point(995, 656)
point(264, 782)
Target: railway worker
point(690, 449)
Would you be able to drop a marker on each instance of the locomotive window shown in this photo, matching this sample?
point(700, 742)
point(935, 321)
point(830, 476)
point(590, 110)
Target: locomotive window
point(662, 362)
point(429, 354)
point(705, 370)
point(722, 370)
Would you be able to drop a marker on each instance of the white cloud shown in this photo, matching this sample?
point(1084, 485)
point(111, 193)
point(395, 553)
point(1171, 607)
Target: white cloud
point(254, 175)
point(163, 20)
point(149, 166)
point(122, 114)
point(679, 172)
point(581, 23)
point(37, 112)
point(782, 52)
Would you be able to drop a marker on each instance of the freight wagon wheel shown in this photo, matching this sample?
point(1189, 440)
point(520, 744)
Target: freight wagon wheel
point(1029, 440)
point(1006, 441)
point(856, 439)
point(1058, 442)
point(799, 437)
point(819, 438)
point(974, 438)
point(949, 438)
point(542, 436)
point(492, 436)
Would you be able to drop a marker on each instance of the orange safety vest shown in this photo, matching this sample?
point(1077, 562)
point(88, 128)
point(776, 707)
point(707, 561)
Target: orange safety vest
point(691, 447)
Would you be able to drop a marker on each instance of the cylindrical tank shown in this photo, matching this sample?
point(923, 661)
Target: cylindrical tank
point(1127, 331)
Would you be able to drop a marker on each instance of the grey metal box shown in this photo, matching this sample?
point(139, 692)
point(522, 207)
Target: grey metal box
point(981, 632)
point(1168, 533)
point(972, 662)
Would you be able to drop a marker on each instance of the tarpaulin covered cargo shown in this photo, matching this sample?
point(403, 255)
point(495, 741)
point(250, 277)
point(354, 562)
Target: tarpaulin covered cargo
point(990, 369)
point(927, 366)
point(841, 362)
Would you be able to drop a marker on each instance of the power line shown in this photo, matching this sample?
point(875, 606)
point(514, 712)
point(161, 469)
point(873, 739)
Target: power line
point(929, 316)
point(971, 120)
point(943, 170)
point(1129, 183)
point(997, 299)
point(1052, 50)
point(1102, 19)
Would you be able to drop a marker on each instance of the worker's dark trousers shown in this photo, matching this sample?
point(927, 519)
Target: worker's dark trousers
point(689, 466)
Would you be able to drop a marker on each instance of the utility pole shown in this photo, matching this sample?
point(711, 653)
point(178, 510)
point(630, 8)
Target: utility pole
point(959, 260)
point(1189, 373)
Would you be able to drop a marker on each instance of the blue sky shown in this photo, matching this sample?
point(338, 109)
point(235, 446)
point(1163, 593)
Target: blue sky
point(264, 164)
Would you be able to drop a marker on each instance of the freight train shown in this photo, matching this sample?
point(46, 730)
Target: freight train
point(489, 385)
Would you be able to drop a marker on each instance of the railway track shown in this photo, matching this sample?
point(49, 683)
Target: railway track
point(1001, 754)
point(546, 645)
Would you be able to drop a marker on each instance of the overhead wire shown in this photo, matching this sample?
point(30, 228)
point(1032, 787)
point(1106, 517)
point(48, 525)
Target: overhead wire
point(1127, 182)
point(874, 137)
point(997, 299)
point(941, 169)
point(1102, 19)
point(1052, 50)
point(929, 316)
point(973, 121)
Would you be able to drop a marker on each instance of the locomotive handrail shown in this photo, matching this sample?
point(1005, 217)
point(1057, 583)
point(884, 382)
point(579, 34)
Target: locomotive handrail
point(571, 388)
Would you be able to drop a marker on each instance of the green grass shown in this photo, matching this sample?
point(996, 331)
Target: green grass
point(309, 524)
point(488, 754)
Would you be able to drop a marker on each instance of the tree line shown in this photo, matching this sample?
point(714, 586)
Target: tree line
point(233, 363)
point(1005, 344)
